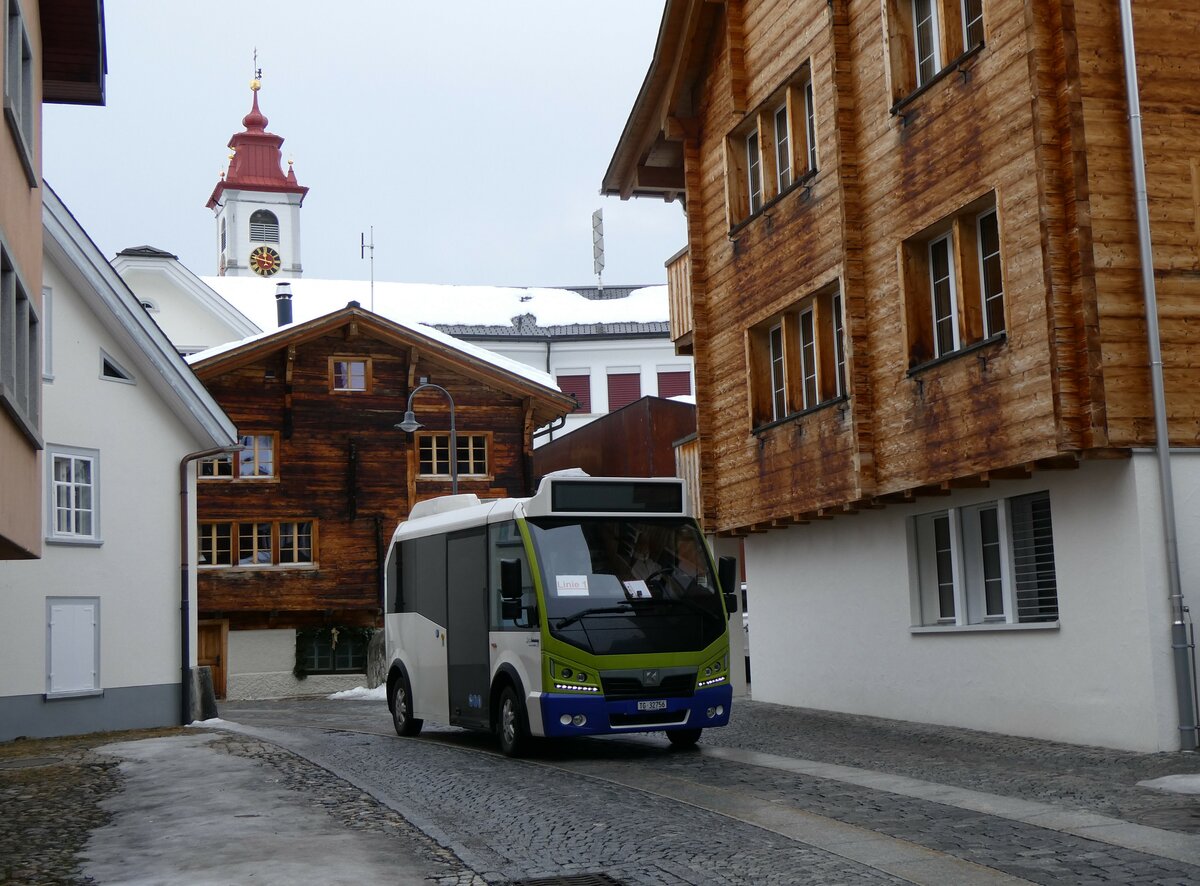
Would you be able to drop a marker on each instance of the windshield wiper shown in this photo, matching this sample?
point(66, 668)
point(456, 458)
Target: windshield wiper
point(595, 610)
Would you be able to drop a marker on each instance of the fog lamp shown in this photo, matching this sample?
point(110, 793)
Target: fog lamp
point(579, 719)
point(565, 719)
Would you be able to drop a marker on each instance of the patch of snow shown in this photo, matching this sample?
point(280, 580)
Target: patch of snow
point(360, 693)
point(213, 721)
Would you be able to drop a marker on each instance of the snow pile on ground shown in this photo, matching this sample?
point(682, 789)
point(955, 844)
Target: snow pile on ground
point(362, 693)
point(215, 721)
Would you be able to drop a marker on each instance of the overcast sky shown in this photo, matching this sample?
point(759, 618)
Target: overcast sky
point(472, 134)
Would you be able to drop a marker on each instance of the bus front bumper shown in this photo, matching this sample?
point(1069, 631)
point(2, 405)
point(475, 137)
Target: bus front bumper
point(565, 714)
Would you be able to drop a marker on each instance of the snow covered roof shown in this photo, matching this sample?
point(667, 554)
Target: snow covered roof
point(467, 308)
point(481, 354)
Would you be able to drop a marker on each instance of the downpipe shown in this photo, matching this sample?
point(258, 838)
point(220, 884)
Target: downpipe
point(185, 606)
point(1181, 649)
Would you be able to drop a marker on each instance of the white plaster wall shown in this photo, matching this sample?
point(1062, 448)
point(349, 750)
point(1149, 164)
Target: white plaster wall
point(596, 357)
point(188, 324)
point(135, 572)
point(260, 666)
point(831, 618)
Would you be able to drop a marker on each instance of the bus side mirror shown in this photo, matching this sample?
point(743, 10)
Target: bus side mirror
point(510, 589)
point(727, 576)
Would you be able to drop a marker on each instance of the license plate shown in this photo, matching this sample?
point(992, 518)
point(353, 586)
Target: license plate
point(659, 704)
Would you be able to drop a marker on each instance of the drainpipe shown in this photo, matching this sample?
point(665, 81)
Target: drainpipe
point(1184, 696)
point(185, 633)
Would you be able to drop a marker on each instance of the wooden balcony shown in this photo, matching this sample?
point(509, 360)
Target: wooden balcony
point(679, 293)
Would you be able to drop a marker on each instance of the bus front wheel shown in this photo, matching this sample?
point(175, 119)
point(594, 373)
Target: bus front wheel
point(683, 738)
point(510, 725)
point(406, 724)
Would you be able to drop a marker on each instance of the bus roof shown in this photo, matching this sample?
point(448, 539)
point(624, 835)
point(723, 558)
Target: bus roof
point(560, 493)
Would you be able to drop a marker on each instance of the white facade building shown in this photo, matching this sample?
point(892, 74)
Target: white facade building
point(1101, 673)
point(91, 635)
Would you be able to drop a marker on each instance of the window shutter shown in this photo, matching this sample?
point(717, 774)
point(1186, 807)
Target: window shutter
point(674, 384)
point(1033, 558)
point(579, 387)
point(623, 389)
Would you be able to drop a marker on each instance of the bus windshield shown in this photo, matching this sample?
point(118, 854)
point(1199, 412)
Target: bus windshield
point(622, 586)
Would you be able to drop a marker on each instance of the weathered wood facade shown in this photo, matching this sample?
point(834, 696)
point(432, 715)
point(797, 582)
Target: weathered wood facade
point(1019, 125)
point(326, 476)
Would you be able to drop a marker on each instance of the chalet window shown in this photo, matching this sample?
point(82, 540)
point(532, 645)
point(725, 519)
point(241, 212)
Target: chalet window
point(798, 358)
point(258, 460)
point(72, 646)
point(783, 156)
point(296, 542)
point(433, 454)
point(18, 86)
point(349, 374)
point(335, 652)
point(623, 389)
point(264, 227)
point(216, 544)
point(579, 386)
point(753, 173)
point(73, 497)
point(20, 350)
point(772, 150)
point(953, 279)
point(928, 36)
point(673, 383)
point(989, 563)
point(258, 543)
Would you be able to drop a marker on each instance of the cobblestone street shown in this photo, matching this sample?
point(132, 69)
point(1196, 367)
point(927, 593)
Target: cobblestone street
point(780, 797)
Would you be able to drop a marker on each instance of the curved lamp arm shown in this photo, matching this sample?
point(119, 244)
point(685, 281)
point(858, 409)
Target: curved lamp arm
point(411, 424)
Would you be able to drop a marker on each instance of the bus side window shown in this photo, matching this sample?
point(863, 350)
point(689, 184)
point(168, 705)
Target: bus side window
point(505, 543)
point(394, 590)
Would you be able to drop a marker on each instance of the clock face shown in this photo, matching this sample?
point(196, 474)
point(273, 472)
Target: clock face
point(264, 261)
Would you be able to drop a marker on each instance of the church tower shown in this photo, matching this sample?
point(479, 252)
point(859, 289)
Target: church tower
point(257, 206)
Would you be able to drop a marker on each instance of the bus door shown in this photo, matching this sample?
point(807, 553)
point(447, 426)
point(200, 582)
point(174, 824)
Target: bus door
point(467, 650)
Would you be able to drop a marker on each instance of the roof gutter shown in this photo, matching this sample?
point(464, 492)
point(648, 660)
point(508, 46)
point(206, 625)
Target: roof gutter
point(1180, 646)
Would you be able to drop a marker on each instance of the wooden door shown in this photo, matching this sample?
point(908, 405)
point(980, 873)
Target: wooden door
point(211, 653)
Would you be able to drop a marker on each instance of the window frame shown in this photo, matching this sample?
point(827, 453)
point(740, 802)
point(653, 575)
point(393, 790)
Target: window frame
point(18, 75)
point(435, 437)
point(974, 308)
point(226, 468)
point(207, 538)
point(761, 165)
point(784, 380)
point(72, 644)
point(961, 598)
point(21, 353)
point(368, 375)
point(948, 28)
point(54, 535)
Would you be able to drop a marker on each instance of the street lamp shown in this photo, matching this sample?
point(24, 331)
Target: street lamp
point(411, 424)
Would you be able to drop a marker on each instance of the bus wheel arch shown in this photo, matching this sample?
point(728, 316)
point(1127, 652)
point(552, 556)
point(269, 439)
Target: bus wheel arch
point(510, 719)
point(399, 695)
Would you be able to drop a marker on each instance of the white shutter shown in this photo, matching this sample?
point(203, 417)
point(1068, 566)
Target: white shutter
point(73, 641)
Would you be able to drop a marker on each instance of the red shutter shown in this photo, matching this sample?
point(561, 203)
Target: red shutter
point(674, 384)
point(623, 389)
point(579, 387)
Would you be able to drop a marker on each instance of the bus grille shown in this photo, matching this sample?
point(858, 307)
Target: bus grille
point(672, 686)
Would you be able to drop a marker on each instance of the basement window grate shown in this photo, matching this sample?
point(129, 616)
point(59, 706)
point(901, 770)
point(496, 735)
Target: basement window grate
point(573, 880)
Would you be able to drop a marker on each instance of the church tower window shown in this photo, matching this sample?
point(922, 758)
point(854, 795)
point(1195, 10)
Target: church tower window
point(264, 227)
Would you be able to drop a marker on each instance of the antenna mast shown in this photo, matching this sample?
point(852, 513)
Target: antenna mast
point(598, 246)
point(362, 253)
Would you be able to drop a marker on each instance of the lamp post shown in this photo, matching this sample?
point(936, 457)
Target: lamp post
point(411, 424)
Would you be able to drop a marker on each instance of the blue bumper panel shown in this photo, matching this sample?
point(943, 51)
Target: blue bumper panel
point(614, 717)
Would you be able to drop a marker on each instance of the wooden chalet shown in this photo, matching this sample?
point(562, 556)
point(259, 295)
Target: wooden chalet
point(912, 282)
point(293, 528)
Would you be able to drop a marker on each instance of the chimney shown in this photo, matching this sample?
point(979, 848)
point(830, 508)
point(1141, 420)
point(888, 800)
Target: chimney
point(283, 303)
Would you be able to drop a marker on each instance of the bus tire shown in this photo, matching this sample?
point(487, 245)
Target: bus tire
point(511, 730)
point(684, 738)
point(406, 724)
